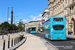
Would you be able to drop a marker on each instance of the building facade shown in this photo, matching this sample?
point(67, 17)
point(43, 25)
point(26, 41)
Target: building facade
point(45, 14)
point(64, 8)
point(32, 23)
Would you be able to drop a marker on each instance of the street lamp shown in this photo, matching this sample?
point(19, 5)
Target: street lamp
point(8, 16)
point(8, 21)
point(14, 19)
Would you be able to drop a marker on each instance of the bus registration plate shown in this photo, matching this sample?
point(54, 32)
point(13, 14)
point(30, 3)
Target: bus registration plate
point(58, 38)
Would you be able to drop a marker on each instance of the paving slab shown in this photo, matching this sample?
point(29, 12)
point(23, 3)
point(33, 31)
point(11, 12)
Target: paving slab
point(71, 36)
point(32, 43)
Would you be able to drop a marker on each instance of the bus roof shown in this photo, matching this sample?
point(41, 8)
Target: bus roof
point(55, 17)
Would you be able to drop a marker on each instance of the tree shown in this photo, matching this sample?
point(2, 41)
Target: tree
point(5, 26)
point(20, 28)
point(0, 26)
point(12, 27)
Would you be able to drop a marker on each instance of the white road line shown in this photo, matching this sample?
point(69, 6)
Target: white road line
point(48, 44)
point(73, 42)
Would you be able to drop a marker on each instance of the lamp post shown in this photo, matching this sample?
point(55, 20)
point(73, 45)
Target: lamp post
point(8, 17)
point(14, 19)
point(8, 21)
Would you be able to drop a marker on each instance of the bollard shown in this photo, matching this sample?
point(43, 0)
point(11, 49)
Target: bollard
point(12, 42)
point(2, 36)
point(4, 45)
point(20, 38)
point(8, 43)
point(16, 40)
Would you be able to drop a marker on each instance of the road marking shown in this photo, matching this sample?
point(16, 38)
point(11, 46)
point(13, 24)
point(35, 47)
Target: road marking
point(73, 42)
point(48, 43)
point(53, 46)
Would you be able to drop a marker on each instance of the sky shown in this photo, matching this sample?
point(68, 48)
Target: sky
point(27, 10)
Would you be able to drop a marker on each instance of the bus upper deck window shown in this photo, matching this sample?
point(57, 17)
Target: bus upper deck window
point(58, 19)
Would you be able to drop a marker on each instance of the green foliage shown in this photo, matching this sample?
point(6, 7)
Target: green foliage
point(20, 28)
point(13, 27)
point(5, 26)
point(0, 26)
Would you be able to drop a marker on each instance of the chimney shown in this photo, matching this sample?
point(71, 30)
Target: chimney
point(12, 15)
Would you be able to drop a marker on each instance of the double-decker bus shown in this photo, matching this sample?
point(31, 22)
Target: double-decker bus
point(33, 30)
point(28, 30)
point(55, 28)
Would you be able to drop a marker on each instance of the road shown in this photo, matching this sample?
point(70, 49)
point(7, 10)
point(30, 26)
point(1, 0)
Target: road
point(68, 44)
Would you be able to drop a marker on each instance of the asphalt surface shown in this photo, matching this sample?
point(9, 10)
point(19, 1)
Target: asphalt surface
point(68, 44)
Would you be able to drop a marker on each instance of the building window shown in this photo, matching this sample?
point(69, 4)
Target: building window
point(72, 8)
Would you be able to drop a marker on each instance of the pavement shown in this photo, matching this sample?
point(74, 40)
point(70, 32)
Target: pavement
point(32, 43)
point(71, 36)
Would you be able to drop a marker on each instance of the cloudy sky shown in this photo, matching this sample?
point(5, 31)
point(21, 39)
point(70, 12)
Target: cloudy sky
point(27, 10)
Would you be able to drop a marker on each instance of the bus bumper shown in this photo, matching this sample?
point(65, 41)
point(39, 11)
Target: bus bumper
point(33, 32)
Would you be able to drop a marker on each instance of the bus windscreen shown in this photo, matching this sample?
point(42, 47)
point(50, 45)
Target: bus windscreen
point(33, 29)
point(58, 27)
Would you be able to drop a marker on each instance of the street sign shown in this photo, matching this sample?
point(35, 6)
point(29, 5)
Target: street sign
point(42, 21)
